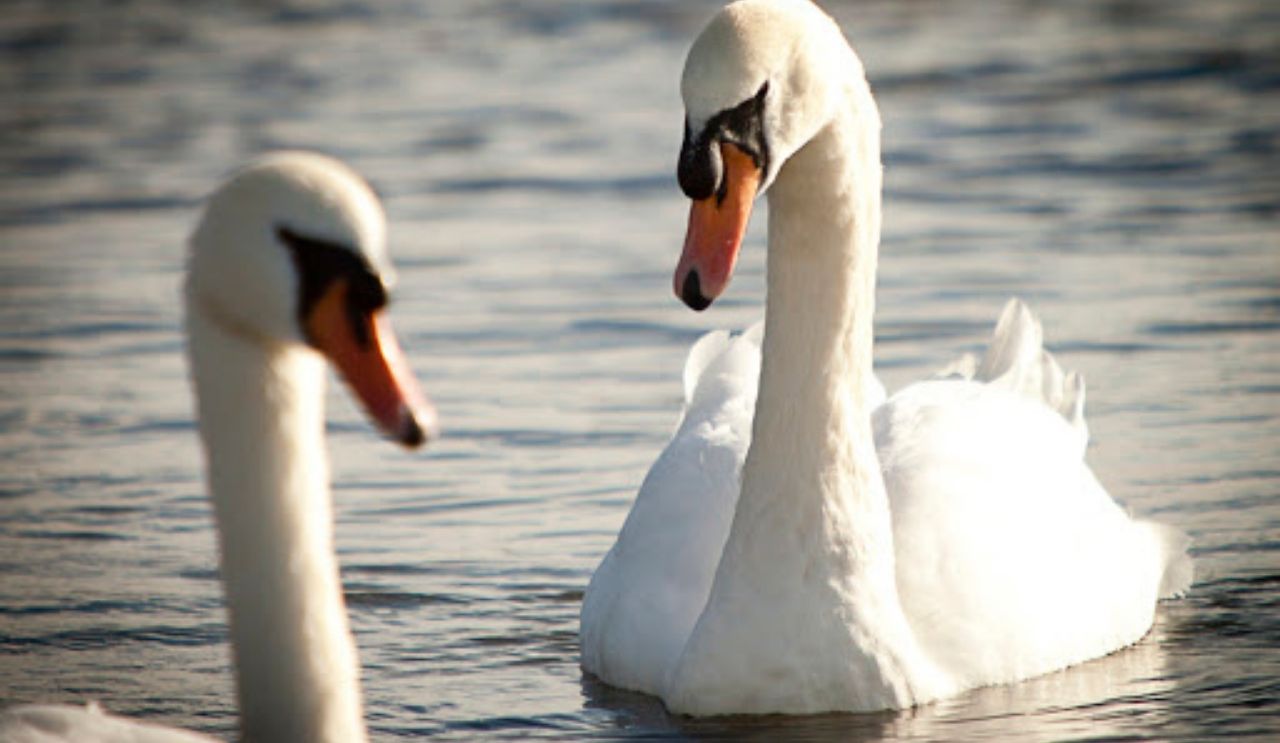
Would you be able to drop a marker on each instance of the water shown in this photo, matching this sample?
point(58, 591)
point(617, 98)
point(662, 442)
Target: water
point(1117, 164)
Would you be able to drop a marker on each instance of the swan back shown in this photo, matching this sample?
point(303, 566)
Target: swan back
point(55, 723)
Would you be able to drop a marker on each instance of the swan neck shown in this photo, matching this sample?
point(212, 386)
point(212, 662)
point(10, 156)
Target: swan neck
point(812, 451)
point(824, 232)
point(261, 417)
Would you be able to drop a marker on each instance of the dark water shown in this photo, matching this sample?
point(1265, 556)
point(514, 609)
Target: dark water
point(1117, 164)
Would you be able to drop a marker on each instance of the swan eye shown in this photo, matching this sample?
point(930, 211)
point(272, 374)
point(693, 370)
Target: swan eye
point(321, 262)
point(365, 295)
point(744, 126)
point(700, 170)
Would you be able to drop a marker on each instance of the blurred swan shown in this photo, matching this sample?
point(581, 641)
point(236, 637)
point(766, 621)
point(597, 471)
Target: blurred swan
point(873, 557)
point(288, 266)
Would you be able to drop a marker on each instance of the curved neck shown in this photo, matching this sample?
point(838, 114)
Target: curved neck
point(824, 233)
point(812, 435)
point(812, 468)
point(261, 418)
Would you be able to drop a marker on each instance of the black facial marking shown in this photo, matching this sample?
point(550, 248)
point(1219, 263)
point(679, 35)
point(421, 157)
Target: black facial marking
point(700, 170)
point(320, 262)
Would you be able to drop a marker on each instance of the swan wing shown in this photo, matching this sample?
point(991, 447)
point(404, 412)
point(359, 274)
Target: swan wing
point(649, 590)
point(1012, 559)
point(646, 595)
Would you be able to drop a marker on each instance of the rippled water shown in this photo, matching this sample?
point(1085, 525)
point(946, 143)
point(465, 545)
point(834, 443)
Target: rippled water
point(1115, 163)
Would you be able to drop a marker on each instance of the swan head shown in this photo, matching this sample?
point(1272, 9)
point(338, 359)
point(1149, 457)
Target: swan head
point(757, 86)
point(291, 250)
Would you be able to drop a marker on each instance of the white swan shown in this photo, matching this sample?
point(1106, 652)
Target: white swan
point(288, 266)
point(957, 540)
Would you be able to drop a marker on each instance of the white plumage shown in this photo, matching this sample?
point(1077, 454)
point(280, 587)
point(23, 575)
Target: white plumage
point(55, 723)
point(854, 555)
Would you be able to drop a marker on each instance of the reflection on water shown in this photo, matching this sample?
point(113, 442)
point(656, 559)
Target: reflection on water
point(1132, 685)
point(1115, 163)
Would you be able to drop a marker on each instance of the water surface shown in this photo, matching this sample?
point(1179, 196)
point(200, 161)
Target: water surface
point(1116, 164)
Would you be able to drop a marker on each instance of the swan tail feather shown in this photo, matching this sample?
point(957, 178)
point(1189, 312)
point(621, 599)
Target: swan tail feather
point(1072, 404)
point(1179, 570)
point(962, 368)
point(1017, 361)
point(1015, 348)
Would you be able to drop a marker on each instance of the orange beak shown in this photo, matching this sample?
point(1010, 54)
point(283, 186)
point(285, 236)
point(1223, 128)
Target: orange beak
point(716, 227)
point(373, 365)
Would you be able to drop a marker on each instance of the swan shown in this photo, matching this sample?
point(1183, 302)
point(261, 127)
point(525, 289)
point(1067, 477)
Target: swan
point(287, 266)
point(867, 556)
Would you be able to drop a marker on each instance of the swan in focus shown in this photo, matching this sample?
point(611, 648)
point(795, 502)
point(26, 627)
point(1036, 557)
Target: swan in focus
point(868, 557)
point(288, 266)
